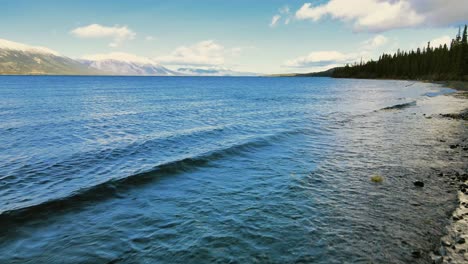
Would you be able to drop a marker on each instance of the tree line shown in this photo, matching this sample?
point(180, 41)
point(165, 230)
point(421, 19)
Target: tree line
point(438, 64)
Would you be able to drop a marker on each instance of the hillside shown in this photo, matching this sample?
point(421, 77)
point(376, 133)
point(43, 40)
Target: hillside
point(27, 63)
point(17, 58)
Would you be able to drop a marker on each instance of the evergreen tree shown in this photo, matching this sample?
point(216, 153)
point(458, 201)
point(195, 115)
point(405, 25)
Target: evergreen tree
point(430, 63)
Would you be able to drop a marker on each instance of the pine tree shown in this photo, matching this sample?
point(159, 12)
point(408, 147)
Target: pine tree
point(434, 63)
point(464, 56)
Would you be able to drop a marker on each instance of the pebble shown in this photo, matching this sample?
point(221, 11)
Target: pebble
point(418, 184)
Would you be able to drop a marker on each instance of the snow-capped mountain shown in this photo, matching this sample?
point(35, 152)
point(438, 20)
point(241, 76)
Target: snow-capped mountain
point(23, 59)
point(126, 64)
point(18, 58)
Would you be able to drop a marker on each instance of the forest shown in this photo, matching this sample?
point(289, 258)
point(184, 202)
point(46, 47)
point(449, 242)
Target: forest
point(430, 63)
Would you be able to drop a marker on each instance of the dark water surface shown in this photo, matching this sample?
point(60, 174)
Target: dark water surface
point(226, 170)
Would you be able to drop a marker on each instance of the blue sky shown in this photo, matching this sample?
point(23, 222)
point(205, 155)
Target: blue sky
point(238, 35)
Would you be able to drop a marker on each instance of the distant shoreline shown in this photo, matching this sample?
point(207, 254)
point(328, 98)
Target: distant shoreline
point(110, 75)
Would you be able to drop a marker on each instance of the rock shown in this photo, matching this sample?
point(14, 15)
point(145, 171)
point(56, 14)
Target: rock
point(453, 146)
point(442, 251)
point(418, 184)
point(464, 177)
point(377, 179)
point(461, 240)
point(445, 243)
point(438, 260)
point(416, 254)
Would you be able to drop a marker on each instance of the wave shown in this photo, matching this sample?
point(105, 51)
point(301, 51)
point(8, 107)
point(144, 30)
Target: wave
point(367, 114)
point(399, 106)
point(114, 187)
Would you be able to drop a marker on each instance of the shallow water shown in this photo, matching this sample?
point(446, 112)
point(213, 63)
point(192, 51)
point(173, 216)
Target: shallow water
point(241, 170)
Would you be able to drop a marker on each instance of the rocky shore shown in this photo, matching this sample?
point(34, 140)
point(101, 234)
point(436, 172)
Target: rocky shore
point(454, 245)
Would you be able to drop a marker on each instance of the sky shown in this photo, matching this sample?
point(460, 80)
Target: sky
point(264, 36)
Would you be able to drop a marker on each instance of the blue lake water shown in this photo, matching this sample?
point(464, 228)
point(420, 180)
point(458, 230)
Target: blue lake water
point(226, 170)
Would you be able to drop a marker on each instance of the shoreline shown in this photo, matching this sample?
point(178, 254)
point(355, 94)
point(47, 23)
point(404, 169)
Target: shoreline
point(454, 244)
point(456, 85)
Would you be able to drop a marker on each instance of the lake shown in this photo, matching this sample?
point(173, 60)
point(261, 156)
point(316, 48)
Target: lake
point(226, 170)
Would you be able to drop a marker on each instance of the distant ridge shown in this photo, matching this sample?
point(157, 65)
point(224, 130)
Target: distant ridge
point(327, 73)
point(118, 67)
point(22, 59)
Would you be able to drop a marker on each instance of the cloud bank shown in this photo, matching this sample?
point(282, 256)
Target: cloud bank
point(383, 15)
point(118, 34)
point(320, 58)
point(204, 53)
point(119, 56)
point(327, 58)
point(435, 43)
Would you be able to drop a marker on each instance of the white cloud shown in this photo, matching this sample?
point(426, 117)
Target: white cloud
point(11, 45)
point(438, 41)
point(118, 34)
point(375, 42)
point(119, 56)
point(329, 58)
point(274, 20)
point(283, 12)
point(204, 53)
point(382, 15)
point(320, 58)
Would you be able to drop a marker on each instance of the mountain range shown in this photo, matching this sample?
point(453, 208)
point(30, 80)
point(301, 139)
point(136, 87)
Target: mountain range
point(21, 59)
point(16, 58)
